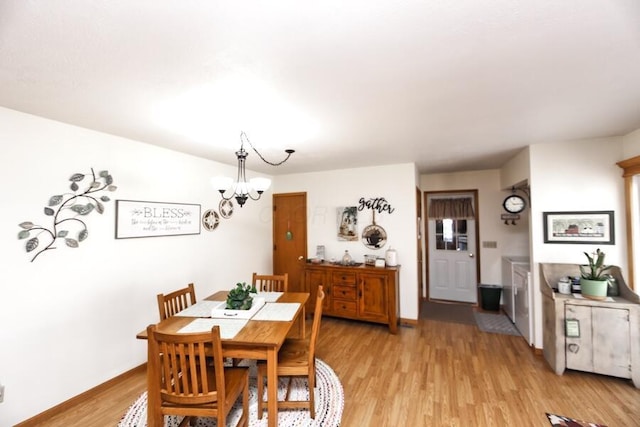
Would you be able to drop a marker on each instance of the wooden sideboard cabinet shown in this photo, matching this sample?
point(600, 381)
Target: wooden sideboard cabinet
point(605, 337)
point(360, 293)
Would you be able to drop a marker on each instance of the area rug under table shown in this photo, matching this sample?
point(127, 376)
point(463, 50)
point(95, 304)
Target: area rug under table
point(329, 397)
point(495, 323)
point(561, 421)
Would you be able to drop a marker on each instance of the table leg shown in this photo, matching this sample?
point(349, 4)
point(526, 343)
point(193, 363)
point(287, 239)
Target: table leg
point(272, 387)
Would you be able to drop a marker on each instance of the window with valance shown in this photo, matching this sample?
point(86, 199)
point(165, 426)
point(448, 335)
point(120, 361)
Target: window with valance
point(450, 215)
point(451, 208)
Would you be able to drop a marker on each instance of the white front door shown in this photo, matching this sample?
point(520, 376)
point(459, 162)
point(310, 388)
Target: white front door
point(452, 260)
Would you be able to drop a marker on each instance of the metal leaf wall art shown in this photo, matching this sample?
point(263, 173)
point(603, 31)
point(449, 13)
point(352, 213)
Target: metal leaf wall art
point(67, 211)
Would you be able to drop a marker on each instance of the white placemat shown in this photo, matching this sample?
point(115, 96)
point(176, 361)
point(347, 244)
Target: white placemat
point(279, 311)
point(228, 327)
point(200, 309)
point(270, 296)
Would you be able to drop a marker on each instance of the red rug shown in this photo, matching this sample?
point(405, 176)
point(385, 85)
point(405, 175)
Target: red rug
point(561, 421)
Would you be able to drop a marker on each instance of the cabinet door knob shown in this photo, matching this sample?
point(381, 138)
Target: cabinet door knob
point(574, 348)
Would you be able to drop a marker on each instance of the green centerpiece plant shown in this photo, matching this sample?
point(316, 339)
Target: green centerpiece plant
point(239, 298)
point(593, 281)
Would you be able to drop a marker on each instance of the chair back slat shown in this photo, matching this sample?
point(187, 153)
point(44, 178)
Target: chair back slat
point(271, 282)
point(185, 377)
point(174, 302)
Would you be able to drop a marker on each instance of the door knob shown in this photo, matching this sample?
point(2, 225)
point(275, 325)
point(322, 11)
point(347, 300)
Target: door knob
point(470, 254)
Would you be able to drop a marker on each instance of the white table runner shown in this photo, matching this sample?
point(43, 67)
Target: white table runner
point(200, 309)
point(228, 327)
point(278, 311)
point(270, 296)
point(224, 313)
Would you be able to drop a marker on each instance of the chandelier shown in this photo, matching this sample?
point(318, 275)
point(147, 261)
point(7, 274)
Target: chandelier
point(241, 189)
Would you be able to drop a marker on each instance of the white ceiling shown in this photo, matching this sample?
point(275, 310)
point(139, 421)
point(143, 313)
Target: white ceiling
point(449, 85)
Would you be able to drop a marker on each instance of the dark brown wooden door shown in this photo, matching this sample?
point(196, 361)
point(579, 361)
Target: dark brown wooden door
point(290, 237)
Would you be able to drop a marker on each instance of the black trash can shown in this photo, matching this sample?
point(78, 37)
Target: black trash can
point(490, 297)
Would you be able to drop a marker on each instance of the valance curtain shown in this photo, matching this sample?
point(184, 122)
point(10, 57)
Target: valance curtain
point(454, 208)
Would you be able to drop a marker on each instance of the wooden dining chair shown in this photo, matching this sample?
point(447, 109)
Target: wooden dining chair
point(176, 301)
point(183, 379)
point(296, 358)
point(271, 283)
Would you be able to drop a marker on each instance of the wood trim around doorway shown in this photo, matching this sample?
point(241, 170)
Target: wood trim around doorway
point(425, 209)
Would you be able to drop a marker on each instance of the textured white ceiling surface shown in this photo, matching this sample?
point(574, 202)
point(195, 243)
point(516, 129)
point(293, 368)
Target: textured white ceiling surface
point(449, 85)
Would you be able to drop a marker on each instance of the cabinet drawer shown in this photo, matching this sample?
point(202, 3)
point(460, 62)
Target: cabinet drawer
point(344, 292)
point(346, 308)
point(344, 278)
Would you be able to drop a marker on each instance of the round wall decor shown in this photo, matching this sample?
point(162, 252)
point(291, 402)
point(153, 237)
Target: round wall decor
point(210, 220)
point(226, 208)
point(374, 236)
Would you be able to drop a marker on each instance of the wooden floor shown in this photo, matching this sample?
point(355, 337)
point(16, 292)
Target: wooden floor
point(436, 374)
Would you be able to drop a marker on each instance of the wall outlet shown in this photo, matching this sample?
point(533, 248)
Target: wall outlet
point(1, 393)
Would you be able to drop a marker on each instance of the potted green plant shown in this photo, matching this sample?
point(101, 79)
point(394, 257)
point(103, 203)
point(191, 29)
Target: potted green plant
point(593, 281)
point(239, 298)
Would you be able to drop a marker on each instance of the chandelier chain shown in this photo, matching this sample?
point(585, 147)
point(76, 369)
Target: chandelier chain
point(244, 135)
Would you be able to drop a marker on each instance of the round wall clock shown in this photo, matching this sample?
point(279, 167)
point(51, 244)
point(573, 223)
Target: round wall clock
point(514, 204)
point(210, 220)
point(226, 208)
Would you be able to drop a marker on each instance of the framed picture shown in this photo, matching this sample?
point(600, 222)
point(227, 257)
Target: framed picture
point(348, 223)
point(572, 328)
point(152, 219)
point(590, 227)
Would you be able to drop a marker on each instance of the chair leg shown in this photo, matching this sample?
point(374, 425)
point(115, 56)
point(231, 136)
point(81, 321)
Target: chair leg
point(260, 381)
point(312, 389)
point(245, 404)
point(288, 395)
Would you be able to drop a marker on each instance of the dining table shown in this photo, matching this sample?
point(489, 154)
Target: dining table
point(258, 337)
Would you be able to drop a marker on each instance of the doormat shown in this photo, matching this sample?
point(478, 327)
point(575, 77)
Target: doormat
point(561, 421)
point(445, 312)
point(495, 323)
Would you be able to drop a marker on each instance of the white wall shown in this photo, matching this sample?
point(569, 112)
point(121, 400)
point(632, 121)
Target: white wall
point(326, 191)
point(631, 148)
point(574, 176)
point(512, 240)
point(69, 319)
point(516, 170)
point(631, 145)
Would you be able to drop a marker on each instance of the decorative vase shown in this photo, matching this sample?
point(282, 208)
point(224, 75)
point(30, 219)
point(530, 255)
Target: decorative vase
point(391, 257)
point(594, 289)
point(346, 258)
